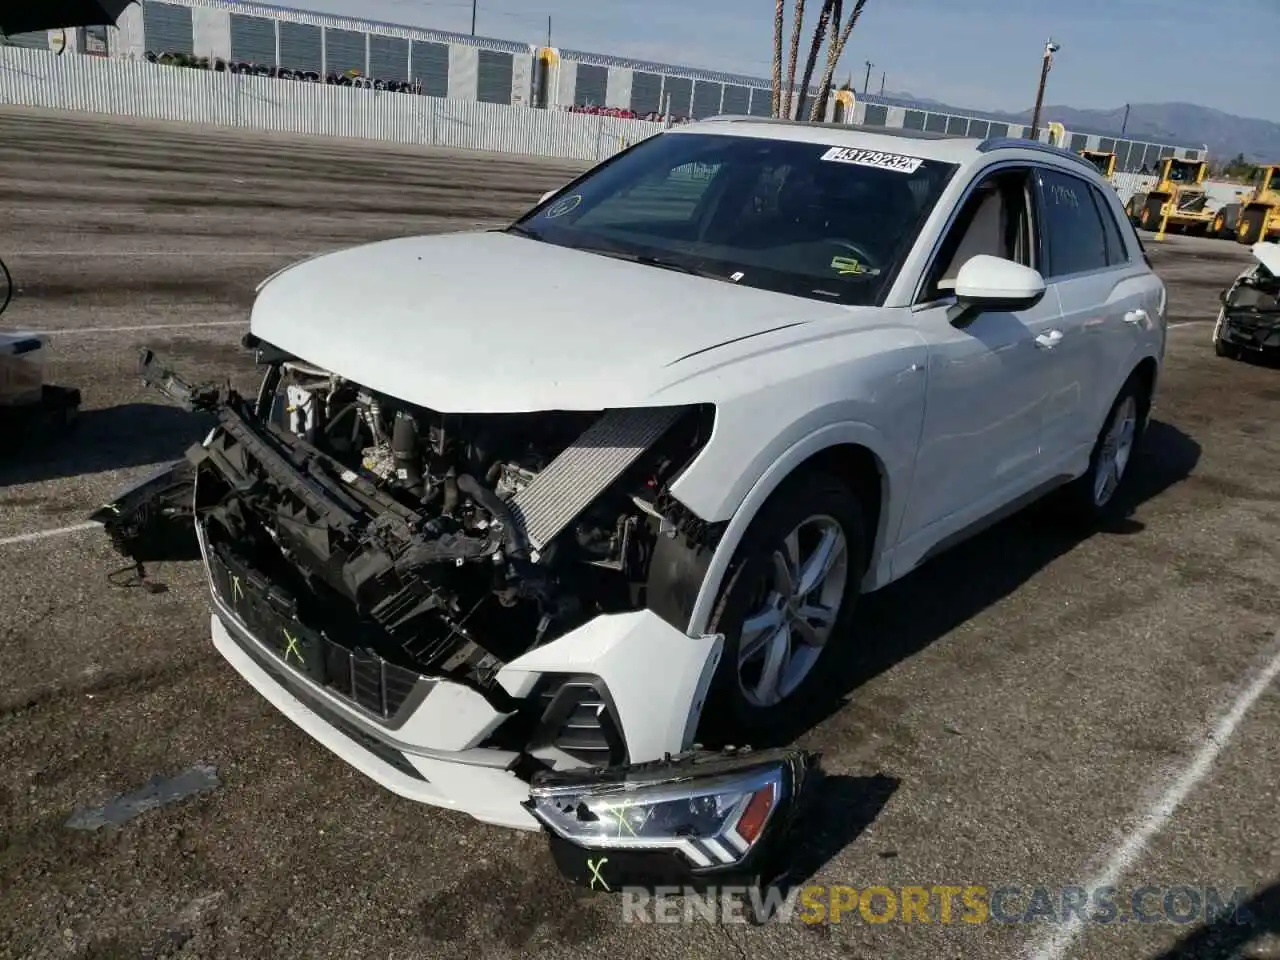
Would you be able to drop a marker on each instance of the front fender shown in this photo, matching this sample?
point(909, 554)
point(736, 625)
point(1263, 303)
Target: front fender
point(848, 432)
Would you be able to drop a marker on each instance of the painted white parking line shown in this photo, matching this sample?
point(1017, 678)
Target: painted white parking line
point(1177, 785)
point(67, 331)
point(47, 534)
point(1190, 323)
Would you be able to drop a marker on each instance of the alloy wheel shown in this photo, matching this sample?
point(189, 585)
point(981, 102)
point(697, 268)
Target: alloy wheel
point(798, 604)
point(1117, 448)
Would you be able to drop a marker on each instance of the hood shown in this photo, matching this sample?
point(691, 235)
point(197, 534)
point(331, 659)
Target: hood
point(491, 322)
point(1268, 254)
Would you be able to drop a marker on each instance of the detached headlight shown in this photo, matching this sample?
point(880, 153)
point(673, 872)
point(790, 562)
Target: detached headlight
point(694, 816)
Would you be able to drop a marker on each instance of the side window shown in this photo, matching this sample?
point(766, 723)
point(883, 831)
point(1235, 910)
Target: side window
point(1072, 229)
point(993, 220)
point(1117, 249)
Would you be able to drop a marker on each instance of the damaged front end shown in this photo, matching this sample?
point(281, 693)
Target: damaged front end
point(1250, 316)
point(466, 602)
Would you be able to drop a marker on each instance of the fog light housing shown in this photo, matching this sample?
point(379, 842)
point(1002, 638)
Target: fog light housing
point(694, 818)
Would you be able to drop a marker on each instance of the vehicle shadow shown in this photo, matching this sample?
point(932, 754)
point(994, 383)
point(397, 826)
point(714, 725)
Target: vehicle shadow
point(837, 812)
point(114, 438)
point(905, 617)
point(1227, 937)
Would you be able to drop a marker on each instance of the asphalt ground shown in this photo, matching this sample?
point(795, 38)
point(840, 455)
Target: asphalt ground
point(1042, 707)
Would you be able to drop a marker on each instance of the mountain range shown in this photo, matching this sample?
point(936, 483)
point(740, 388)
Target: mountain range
point(1225, 134)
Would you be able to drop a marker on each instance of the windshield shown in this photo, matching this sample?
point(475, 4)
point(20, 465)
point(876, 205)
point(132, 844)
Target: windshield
point(829, 223)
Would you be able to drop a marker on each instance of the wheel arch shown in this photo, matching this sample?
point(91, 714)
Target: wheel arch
point(1145, 374)
point(851, 452)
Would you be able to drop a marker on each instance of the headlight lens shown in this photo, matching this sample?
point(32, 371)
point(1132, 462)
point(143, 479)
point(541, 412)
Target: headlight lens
point(714, 819)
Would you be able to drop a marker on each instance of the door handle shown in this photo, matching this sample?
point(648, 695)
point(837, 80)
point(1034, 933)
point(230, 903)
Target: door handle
point(1047, 341)
point(1136, 316)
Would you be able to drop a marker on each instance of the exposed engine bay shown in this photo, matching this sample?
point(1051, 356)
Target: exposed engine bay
point(447, 544)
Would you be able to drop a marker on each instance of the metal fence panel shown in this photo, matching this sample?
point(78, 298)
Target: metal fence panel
point(591, 86)
point(253, 39)
point(136, 88)
point(167, 28)
point(32, 41)
point(344, 51)
point(430, 65)
point(493, 77)
point(706, 99)
point(301, 47)
point(389, 58)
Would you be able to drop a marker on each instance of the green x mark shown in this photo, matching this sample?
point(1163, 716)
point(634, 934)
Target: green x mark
point(292, 648)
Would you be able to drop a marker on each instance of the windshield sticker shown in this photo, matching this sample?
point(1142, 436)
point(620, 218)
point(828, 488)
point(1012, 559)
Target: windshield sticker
point(562, 206)
point(849, 267)
point(873, 158)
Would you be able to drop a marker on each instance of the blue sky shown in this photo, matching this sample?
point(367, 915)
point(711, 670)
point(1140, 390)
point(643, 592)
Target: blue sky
point(973, 53)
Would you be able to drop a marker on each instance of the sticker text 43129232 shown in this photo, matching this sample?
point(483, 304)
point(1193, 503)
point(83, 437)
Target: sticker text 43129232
point(873, 158)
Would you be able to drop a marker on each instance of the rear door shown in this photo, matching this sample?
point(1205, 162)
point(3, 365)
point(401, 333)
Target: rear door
point(1106, 299)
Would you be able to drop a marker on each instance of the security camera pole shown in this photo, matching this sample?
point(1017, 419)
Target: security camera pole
point(1050, 48)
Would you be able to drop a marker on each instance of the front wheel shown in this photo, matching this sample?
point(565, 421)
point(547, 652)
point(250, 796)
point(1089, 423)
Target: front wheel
point(785, 606)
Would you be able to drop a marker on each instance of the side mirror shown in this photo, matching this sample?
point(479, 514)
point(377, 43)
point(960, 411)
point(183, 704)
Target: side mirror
point(986, 283)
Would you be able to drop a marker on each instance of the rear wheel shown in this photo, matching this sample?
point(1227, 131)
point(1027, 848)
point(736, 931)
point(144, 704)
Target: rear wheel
point(1094, 495)
point(785, 605)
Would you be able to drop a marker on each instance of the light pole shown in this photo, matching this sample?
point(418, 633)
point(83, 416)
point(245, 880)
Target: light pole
point(473, 16)
point(867, 80)
point(1050, 48)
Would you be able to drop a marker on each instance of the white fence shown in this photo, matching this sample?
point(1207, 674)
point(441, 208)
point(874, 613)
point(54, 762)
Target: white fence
point(137, 88)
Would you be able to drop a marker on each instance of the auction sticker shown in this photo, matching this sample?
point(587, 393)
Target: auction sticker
point(873, 158)
point(563, 205)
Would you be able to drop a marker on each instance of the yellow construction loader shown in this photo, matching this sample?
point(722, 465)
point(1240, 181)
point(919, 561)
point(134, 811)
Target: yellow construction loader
point(1105, 162)
point(1177, 201)
point(1256, 215)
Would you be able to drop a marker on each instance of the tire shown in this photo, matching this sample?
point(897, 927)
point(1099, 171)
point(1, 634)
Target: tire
point(1150, 217)
point(1224, 349)
point(1250, 229)
point(739, 709)
point(1085, 496)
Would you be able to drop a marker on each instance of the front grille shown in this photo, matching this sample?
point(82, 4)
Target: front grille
point(362, 677)
point(383, 751)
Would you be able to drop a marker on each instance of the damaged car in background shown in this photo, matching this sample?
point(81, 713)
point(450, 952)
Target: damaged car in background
point(537, 523)
point(1249, 321)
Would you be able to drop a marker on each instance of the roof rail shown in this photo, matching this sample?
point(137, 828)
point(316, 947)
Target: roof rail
point(856, 127)
point(1020, 143)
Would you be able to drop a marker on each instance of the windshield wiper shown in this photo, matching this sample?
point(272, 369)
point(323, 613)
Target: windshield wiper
point(661, 263)
point(521, 231)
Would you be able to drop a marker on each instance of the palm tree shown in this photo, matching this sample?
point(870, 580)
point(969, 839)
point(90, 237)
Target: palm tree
point(834, 55)
point(795, 54)
point(819, 34)
point(779, 15)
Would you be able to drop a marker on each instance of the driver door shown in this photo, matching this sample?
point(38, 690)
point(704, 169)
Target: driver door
point(989, 382)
